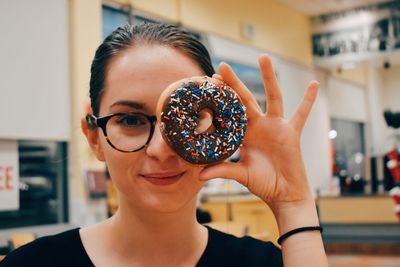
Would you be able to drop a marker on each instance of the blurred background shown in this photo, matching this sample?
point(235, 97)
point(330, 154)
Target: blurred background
point(50, 181)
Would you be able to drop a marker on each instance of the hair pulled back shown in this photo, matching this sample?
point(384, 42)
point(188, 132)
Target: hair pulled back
point(146, 33)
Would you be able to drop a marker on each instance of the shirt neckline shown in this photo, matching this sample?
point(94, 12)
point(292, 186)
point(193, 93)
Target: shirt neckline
point(207, 251)
point(86, 255)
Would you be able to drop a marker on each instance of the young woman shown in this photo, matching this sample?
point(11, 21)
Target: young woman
point(155, 224)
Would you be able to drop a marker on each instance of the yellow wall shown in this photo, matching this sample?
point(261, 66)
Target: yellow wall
point(278, 28)
point(359, 75)
point(166, 9)
point(162, 9)
point(85, 36)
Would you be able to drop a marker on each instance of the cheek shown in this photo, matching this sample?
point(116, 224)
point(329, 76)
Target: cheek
point(114, 157)
point(194, 183)
point(121, 165)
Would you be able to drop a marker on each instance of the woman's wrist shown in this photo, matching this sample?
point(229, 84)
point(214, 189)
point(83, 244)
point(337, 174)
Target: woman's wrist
point(294, 215)
point(304, 248)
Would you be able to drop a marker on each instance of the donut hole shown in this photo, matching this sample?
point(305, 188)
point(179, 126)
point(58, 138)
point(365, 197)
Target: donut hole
point(205, 121)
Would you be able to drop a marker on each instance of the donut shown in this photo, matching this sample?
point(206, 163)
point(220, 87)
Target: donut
point(184, 102)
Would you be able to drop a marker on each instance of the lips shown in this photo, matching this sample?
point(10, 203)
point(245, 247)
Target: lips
point(163, 178)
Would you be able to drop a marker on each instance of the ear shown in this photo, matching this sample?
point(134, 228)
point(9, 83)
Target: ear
point(92, 136)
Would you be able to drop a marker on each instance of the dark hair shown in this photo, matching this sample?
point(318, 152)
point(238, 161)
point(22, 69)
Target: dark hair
point(152, 33)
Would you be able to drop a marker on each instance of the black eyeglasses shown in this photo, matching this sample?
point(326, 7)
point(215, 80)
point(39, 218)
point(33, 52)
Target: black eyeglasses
point(125, 131)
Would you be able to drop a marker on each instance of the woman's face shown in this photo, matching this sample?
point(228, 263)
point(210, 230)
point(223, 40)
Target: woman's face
point(155, 177)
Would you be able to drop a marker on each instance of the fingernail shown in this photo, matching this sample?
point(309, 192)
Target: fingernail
point(316, 83)
point(203, 178)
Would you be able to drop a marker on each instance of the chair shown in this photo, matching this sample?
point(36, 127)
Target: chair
point(233, 228)
point(19, 239)
point(264, 236)
point(238, 230)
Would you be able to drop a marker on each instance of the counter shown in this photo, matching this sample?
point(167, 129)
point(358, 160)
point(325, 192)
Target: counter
point(357, 219)
point(357, 209)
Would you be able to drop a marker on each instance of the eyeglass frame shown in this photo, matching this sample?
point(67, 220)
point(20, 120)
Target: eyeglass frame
point(101, 122)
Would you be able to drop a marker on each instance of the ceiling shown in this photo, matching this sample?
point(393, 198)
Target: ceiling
point(318, 7)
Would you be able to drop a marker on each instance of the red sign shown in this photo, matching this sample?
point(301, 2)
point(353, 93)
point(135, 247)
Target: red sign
point(6, 178)
point(9, 175)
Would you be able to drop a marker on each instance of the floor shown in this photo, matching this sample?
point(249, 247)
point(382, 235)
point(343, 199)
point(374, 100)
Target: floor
point(363, 261)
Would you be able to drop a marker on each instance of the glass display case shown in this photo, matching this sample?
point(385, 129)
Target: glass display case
point(43, 187)
point(349, 155)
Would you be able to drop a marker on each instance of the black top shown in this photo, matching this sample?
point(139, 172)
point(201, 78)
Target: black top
point(66, 249)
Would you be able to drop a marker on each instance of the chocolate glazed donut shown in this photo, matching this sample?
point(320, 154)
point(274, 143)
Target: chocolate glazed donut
point(179, 109)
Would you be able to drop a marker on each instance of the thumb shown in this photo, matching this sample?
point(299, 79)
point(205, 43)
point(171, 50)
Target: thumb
point(229, 170)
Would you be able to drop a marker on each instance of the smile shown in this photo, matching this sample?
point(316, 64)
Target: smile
point(167, 178)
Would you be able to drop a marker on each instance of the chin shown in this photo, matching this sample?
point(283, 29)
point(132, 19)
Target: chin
point(168, 204)
point(146, 197)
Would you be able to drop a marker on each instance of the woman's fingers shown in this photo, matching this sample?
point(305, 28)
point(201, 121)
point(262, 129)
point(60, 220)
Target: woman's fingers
point(217, 76)
point(230, 78)
point(272, 91)
point(303, 110)
point(236, 171)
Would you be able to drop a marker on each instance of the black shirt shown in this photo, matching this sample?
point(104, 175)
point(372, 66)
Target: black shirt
point(66, 249)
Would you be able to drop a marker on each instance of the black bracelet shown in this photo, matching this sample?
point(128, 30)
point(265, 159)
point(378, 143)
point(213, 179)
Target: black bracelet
point(298, 230)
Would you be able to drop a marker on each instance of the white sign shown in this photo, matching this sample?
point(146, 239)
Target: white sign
point(9, 176)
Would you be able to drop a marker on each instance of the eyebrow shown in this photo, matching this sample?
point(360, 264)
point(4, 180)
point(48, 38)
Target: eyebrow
point(132, 104)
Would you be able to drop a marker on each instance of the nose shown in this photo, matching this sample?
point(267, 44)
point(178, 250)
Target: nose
point(158, 148)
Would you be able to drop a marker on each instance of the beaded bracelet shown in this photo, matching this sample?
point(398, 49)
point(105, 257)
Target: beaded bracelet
point(298, 230)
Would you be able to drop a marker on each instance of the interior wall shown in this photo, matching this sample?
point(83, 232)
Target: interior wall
point(294, 80)
point(85, 36)
point(347, 100)
point(34, 104)
point(165, 9)
point(358, 75)
point(277, 28)
point(391, 88)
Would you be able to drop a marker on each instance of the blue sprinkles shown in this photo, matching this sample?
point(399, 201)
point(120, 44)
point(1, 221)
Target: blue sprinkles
point(230, 120)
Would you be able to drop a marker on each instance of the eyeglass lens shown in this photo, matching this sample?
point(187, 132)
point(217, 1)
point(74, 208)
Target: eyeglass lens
point(128, 132)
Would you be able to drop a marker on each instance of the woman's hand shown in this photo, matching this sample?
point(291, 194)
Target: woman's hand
point(271, 164)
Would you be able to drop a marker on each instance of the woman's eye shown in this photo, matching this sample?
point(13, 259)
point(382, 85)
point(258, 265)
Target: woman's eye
point(131, 121)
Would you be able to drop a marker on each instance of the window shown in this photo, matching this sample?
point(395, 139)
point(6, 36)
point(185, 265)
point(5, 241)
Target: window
point(112, 19)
